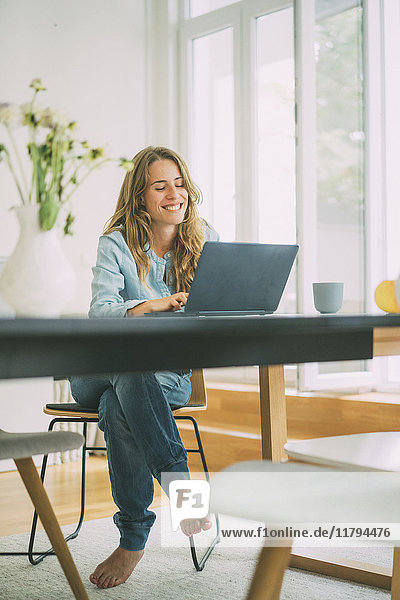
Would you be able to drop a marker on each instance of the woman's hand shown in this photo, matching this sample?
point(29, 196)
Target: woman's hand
point(167, 304)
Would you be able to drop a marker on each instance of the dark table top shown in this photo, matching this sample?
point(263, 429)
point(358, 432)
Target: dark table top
point(59, 347)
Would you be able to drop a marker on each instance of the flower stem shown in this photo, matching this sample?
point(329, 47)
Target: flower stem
point(17, 156)
point(31, 129)
point(13, 173)
point(54, 162)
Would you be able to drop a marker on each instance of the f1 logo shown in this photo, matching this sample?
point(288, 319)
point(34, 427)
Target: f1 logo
point(189, 499)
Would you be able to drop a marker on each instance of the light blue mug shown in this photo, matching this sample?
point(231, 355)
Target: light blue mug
point(328, 296)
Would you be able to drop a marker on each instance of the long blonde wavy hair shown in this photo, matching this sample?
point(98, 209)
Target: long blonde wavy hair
point(134, 222)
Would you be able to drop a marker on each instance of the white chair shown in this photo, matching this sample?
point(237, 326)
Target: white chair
point(363, 451)
point(256, 490)
point(367, 451)
point(21, 447)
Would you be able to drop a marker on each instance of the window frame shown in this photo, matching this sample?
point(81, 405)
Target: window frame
point(242, 16)
point(309, 376)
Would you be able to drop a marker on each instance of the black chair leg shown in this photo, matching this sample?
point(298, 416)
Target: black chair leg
point(30, 553)
point(73, 535)
point(200, 564)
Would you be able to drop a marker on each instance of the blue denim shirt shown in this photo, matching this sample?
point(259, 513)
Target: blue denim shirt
point(116, 286)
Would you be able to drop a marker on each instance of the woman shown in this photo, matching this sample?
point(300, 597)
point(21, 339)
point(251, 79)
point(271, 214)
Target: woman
point(146, 261)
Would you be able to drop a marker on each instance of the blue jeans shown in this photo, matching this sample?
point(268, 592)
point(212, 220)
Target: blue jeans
point(142, 439)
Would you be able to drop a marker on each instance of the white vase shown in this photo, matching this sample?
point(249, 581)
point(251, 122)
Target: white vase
point(37, 280)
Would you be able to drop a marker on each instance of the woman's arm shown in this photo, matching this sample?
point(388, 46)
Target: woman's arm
point(109, 281)
point(169, 303)
point(176, 301)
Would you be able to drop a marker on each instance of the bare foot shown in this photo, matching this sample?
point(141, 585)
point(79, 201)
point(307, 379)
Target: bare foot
point(191, 526)
point(116, 568)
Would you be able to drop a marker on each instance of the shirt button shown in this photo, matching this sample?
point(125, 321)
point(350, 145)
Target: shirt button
point(168, 254)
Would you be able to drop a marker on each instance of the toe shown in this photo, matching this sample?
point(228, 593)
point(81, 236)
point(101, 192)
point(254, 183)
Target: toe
point(196, 528)
point(100, 581)
point(206, 525)
point(106, 582)
point(191, 529)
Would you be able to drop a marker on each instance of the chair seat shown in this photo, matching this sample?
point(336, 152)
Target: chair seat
point(190, 408)
point(294, 493)
point(75, 410)
point(23, 445)
point(71, 409)
point(365, 451)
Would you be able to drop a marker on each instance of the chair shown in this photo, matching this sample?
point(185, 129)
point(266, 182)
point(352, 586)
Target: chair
point(76, 413)
point(363, 451)
point(21, 447)
point(251, 490)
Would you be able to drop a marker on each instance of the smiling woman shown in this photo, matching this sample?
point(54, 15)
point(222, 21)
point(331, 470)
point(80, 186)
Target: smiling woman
point(166, 200)
point(145, 262)
point(156, 219)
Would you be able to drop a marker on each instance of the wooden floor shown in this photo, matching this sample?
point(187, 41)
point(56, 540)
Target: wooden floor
point(62, 483)
point(230, 433)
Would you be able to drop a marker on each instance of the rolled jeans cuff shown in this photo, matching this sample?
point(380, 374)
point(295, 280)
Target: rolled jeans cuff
point(134, 539)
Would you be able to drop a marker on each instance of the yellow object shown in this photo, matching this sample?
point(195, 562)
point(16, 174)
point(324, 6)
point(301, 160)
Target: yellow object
point(385, 297)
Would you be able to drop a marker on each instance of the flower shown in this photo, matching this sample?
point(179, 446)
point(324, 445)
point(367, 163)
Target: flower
point(37, 85)
point(10, 114)
point(95, 153)
point(52, 118)
point(60, 162)
point(126, 164)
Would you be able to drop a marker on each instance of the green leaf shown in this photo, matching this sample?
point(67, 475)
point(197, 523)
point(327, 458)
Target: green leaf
point(68, 223)
point(48, 212)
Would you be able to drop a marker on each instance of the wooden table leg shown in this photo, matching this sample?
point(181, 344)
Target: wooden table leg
point(274, 437)
point(396, 575)
point(41, 502)
point(268, 576)
point(273, 412)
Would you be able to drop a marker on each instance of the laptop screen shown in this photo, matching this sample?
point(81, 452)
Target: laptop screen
point(240, 277)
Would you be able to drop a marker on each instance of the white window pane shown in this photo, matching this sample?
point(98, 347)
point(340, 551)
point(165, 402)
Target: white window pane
point(276, 184)
point(200, 7)
point(340, 154)
point(392, 138)
point(276, 128)
point(213, 143)
point(340, 160)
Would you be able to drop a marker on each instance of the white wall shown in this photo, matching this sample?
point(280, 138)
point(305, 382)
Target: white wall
point(91, 55)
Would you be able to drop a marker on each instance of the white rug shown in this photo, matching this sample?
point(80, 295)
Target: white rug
point(165, 573)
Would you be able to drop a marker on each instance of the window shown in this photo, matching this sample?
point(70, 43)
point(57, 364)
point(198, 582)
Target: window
point(317, 178)
point(276, 189)
point(239, 132)
point(391, 103)
point(275, 137)
point(200, 7)
point(213, 147)
point(340, 159)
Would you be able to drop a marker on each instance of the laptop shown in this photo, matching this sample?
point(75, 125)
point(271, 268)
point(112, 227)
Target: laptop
point(235, 278)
